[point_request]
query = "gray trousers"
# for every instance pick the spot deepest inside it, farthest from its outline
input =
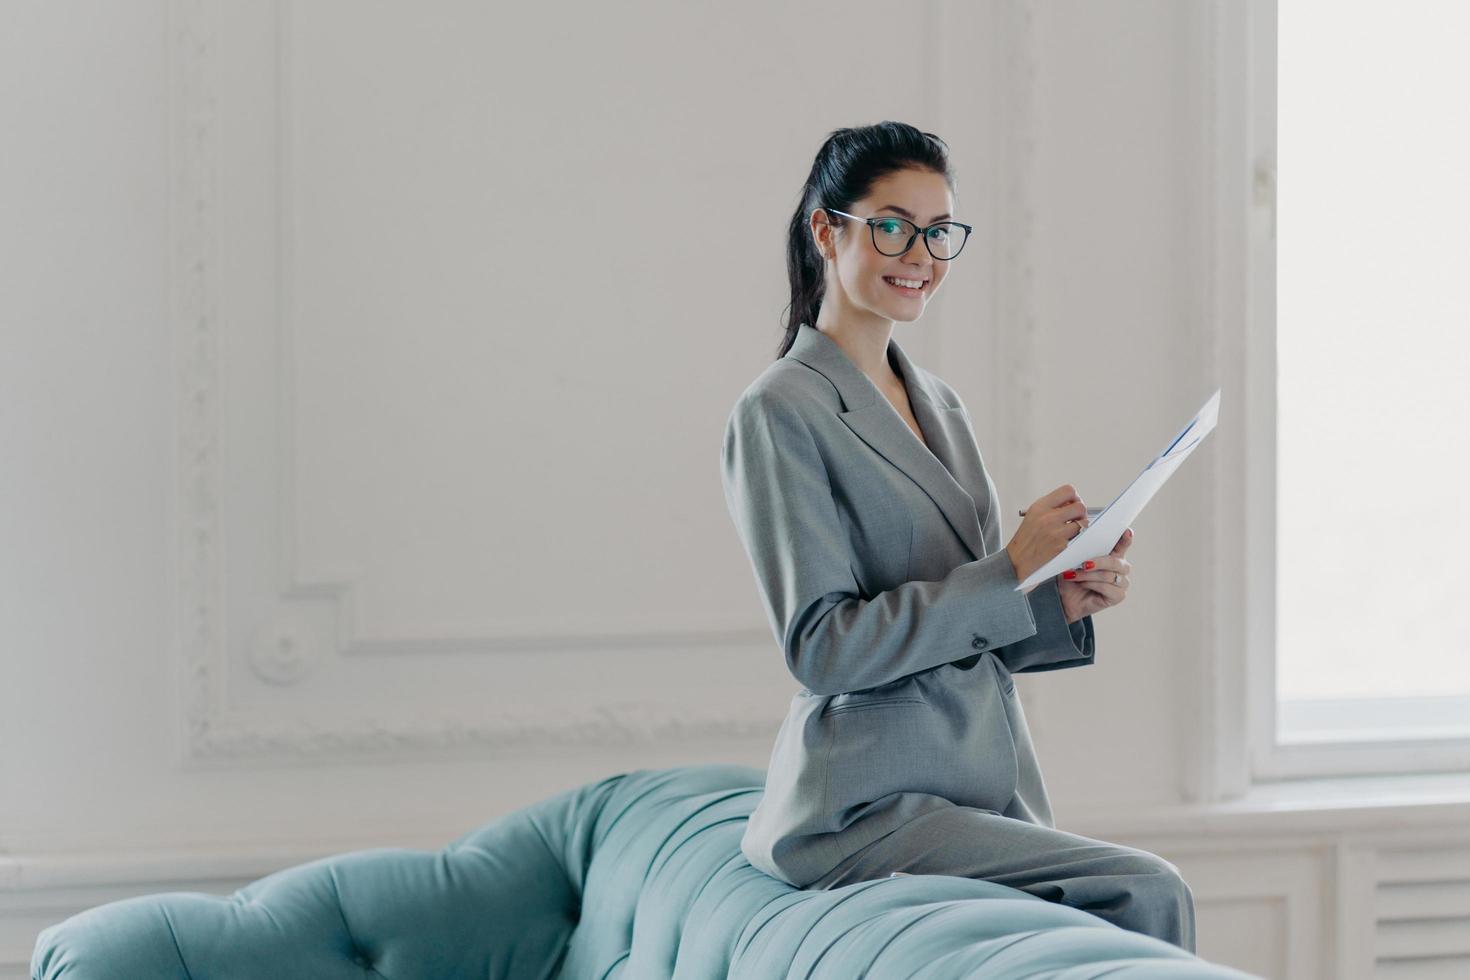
(1128, 887)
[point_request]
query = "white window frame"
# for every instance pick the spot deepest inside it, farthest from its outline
(1238, 745)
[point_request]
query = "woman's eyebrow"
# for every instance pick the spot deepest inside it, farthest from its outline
(909, 214)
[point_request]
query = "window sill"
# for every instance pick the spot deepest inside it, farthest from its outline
(1301, 806)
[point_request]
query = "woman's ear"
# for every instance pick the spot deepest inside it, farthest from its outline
(821, 228)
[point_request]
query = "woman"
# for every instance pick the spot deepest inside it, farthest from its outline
(873, 528)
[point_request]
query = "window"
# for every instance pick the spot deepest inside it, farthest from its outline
(1370, 230)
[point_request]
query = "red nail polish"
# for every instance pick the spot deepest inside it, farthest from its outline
(1069, 574)
(1090, 565)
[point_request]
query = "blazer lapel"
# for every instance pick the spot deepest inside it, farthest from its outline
(873, 418)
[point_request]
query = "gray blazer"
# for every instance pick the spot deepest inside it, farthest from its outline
(883, 576)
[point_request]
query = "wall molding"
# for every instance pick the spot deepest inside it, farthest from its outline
(286, 648)
(1014, 346)
(1215, 759)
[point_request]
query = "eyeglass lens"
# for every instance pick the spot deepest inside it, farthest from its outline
(892, 237)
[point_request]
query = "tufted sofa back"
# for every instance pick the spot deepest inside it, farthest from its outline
(638, 875)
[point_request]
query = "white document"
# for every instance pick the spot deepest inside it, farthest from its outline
(1106, 528)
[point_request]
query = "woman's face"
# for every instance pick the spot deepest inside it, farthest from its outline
(857, 273)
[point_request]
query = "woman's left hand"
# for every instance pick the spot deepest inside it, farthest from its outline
(1092, 589)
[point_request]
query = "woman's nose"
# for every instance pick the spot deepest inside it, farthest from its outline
(921, 256)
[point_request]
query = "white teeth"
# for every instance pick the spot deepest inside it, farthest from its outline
(910, 283)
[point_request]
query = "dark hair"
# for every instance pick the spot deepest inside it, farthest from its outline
(849, 162)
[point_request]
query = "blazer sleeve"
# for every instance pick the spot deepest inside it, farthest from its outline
(1056, 644)
(836, 640)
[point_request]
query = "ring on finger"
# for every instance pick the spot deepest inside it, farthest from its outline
(1116, 578)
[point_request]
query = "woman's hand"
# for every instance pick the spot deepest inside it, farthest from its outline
(1050, 523)
(1091, 590)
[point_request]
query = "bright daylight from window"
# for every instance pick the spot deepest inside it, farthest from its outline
(1373, 326)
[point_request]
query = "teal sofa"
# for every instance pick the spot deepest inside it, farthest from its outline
(637, 876)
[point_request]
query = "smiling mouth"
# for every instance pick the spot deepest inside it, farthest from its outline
(907, 290)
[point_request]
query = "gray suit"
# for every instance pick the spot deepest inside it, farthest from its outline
(883, 576)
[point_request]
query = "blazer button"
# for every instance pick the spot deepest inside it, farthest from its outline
(979, 642)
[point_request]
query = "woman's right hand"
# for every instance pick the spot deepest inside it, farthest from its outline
(1050, 522)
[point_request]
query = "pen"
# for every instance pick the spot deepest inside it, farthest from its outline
(1091, 511)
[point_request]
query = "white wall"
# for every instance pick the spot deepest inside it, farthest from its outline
(333, 519)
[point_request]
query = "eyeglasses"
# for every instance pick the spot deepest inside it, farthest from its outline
(895, 236)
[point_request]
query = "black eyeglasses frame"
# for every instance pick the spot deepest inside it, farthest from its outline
(873, 233)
